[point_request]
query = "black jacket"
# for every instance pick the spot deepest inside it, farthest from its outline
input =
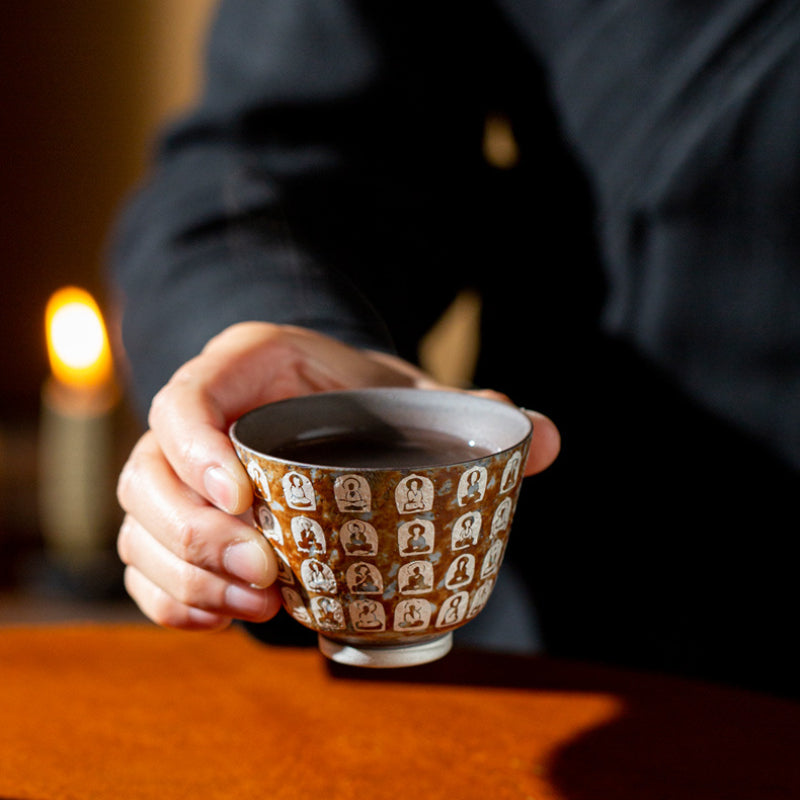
(639, 267)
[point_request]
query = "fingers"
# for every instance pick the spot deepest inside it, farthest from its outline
(184, 555)
(247, 365)
(177, 594)
(190, 415)
(185, 523)
(190, 562)
(191, 431)
(545, 443)
(163, 609)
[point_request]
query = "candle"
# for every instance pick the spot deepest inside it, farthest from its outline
(76, 472)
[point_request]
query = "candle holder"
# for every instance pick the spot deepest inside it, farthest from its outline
(78, 431)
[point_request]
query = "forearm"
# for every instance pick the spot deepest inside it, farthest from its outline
(186, 274)
(211, 239)
(311, 166)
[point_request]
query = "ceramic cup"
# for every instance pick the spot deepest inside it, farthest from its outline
(389, 510)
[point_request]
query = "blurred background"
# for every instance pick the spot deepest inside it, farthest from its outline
(83, 88)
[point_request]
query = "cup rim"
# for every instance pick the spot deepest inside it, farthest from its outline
(376, 393)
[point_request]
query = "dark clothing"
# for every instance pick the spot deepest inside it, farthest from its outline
(639, 269)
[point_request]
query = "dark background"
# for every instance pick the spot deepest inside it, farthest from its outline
(83, 87)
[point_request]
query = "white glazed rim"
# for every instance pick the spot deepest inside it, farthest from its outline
(490, 423)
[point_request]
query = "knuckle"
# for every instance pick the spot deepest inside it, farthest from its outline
(163, 405)
(123, 542)
(192, 540)
(191, 453)
(126, 483)
(191, 587)
(158, 405)
(167, 613)
(162, 616)
(188, 539)
(246, 332)
(129, 480)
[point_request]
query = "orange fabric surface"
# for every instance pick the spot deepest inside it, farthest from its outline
(137, 712)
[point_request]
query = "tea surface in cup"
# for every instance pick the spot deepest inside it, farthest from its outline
(392, 447)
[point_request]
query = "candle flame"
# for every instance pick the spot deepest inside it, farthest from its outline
(77, 341)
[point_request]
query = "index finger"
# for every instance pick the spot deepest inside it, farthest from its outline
(246, 365)
(191, 414)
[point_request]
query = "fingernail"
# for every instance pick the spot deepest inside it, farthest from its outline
(248, 562)
(221, 488)
(245, 601)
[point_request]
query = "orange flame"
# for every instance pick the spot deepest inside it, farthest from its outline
(77, 341)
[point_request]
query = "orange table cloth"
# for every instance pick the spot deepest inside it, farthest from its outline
(138, 712)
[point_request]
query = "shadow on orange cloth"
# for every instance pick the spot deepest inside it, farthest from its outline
(137, 712)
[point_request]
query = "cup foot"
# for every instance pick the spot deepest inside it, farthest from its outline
(403, 655)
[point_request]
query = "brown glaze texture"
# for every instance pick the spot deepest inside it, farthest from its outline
(385, 556)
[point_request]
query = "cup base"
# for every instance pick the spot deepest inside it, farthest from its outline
(380, 656)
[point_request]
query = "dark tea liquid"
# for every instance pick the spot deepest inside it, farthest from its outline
(409, 447)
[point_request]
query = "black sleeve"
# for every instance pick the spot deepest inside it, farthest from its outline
(335, 146)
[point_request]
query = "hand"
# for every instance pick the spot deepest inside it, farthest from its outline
(193, 559)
